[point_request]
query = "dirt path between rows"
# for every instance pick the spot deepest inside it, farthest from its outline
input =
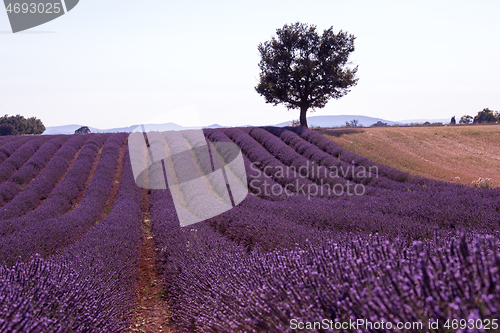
(116, 183)
(151, 314)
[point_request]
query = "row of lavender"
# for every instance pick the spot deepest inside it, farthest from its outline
(12, 182)
(409, 208)
(266, 262)
(10, 144)
(50, 162)
(320, 161)
(52, 226)
(19, 157)
(64, 196)
(214, 285)
(86, 282)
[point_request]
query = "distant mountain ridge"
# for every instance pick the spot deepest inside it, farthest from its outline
(316, 121)
(340, 120)
(70, 129)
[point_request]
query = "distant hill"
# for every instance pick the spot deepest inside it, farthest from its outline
(66, 129)
(215, 126)
(70, 129)
(340, 120)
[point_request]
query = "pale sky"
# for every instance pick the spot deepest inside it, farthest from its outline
(119, 63)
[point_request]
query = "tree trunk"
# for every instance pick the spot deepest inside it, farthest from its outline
(303, 119)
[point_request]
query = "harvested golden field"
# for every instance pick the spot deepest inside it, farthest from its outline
(443, 153)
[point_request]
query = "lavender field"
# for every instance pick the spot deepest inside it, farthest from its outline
(324, 237)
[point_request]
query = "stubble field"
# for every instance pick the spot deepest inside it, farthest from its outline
(442, 153)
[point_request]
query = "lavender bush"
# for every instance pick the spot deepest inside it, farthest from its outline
(10, 146)
(28, 171)
(19, 157)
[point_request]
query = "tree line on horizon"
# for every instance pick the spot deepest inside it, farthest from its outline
(485, 116)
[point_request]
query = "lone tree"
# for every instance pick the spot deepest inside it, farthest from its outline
(82, 130)
(303, 70)
(466, 120)
(379, 123)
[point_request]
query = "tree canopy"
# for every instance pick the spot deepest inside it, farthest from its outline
(485, 116)
(302, 69)
(17, 125)
(82, 130)
(466, 120)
